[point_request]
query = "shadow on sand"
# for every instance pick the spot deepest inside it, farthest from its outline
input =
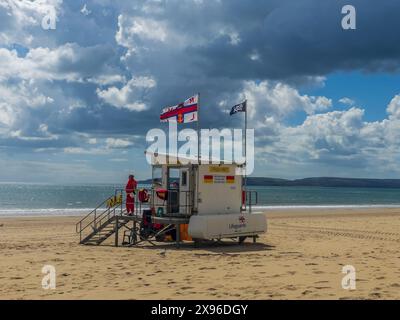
(221, 247)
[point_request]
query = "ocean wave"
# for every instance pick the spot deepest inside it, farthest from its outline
(45, 212)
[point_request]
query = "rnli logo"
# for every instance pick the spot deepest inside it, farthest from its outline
(180, 118)
(242, 220)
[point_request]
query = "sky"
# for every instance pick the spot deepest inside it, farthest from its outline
(77, 101)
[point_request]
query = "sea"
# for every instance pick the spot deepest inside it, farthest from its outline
(57, 200)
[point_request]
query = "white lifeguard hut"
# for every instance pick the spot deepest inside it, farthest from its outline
(207, 200)
(210, 197)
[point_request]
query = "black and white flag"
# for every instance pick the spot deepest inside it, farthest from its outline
(241, 107)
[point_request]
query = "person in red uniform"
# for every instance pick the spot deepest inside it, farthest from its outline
(130, 189)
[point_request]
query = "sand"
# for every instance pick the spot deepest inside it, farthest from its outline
(301, 257)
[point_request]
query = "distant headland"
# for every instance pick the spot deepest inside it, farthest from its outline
(319, 182)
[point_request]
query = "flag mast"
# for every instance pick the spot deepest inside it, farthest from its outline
(198, 128)
(198, 151)
(245, 151)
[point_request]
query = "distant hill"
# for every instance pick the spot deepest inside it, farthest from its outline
(326, 182)
(319, 182)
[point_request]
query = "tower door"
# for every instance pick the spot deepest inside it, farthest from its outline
(185, 198)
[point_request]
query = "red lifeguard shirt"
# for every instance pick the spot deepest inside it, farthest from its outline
(130, 187)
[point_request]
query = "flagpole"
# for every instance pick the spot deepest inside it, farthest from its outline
(198, 128)
(198, 151)
(245, 150)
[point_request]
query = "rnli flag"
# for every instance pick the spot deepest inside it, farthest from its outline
(241, 107)
(184, 112)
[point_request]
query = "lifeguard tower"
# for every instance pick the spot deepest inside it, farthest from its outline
(205, 201)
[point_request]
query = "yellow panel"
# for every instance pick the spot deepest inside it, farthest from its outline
(218, 169)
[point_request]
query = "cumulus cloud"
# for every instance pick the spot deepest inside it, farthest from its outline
(393, 108)
(280, 100)
(16, 99)
(43, 134)
(337, 139)
(33, 86)
(69, 62)
(97, 147)
(92, 140)
(336, 132)
(113, 143)
(132, 29)
(7, 114)
(131, 96)
(85, 151)
(22, 18)
(347, 101)
(110, 66)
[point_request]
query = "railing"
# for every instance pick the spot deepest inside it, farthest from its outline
(184, 208)
(103, 211)
(176, 204)
(250, 196)
(140, 206)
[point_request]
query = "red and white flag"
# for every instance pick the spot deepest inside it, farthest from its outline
(185, 112)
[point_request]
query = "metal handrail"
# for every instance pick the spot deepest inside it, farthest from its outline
(95, 221)
(91, 212)
(100, 218)
(94, 213)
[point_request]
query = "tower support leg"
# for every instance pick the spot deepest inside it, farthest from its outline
(116, 231)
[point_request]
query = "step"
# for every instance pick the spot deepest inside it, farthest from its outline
(102, 235)
(91, 243)
(105, 232)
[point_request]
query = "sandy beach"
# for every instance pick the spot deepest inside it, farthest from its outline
(300, 257)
